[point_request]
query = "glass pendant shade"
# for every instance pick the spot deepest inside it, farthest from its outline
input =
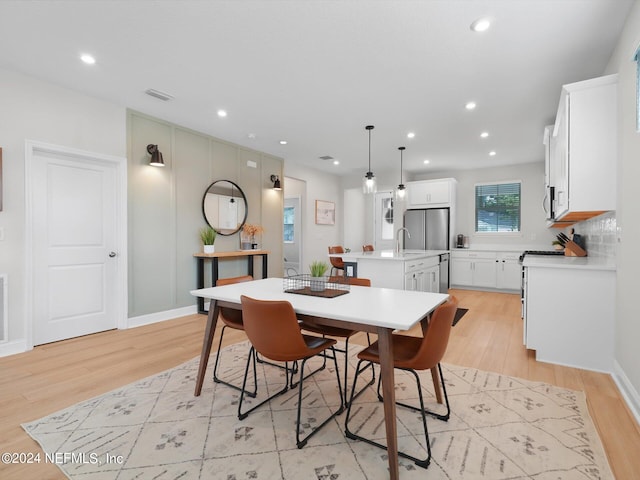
(369, 183)
(369, 179)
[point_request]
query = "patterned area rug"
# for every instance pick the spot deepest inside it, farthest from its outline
(500, 428)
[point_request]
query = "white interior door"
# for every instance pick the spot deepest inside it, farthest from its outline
(74, 232)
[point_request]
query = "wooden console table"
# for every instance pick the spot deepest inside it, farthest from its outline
(214, 257)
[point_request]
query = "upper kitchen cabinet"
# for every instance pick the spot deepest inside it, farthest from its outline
(431, 193)
(582, 152)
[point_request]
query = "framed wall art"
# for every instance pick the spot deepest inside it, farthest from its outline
(325, 213)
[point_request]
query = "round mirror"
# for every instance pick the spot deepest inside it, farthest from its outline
(224, 207)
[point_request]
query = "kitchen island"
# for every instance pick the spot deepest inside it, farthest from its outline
(405, 270)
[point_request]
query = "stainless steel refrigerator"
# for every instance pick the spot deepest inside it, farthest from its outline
(429, 229)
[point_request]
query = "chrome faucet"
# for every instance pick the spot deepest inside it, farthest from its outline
(398, 237)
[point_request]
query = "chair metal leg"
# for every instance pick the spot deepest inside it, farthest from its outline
(423, 412)
(440, 416)
(218, 380)
(301, 443)
(242, 415)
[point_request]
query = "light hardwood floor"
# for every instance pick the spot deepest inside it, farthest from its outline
(489, 337)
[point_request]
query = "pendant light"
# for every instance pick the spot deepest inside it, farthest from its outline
(401, 190)
(369, 180)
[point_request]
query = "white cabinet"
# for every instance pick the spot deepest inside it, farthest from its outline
(569, 316)
(431, 193)
(486, 269)
(509, 271)
(422, 275)
(583, 150)
(473, 269)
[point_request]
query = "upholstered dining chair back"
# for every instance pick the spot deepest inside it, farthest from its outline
(230, 316)
(363, 282)
(367, 248)
(272, 328)
(436, 338)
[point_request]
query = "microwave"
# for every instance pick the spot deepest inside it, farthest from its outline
(548, 202)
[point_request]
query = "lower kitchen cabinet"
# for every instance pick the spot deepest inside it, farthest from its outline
(473, 269)
(486, 270)
(508, 271)
(569, 316)
(422, 275)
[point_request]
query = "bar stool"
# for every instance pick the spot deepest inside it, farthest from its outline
(411, 354)
(336, 262)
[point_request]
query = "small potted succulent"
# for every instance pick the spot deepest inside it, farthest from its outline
(318, 282)
(208, 237)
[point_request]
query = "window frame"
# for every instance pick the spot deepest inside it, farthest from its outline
(515, 233)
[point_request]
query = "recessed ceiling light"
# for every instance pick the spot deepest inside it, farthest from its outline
(470, 105)
(222, 113)
(283, 142)
(426, 162)
(336, 162)
(484, 134)
(88, 59)
(492, 153)
(411, 135)
(481, 25)
(252, 136)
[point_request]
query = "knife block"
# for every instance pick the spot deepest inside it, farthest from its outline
(572, 249)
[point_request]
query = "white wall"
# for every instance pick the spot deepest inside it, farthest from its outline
(628, 212)
(320, 186)
(44, 112)
(534, 234)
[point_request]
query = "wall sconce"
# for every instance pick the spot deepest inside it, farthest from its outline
(276, 182)
(156, 156)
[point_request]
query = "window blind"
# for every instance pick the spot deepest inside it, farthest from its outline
(498, 207)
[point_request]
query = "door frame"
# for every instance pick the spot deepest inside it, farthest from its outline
(33, 148)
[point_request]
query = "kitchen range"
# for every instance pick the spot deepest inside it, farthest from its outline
(524, 278)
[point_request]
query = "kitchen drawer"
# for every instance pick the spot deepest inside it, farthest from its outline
(421, 264)
(474, 255)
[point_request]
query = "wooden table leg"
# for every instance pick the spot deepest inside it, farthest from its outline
(434, 371)
(388, 393)
(212, 319)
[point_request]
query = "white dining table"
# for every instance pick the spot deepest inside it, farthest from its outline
(367, 309)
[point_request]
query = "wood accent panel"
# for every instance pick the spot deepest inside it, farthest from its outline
(489, 337)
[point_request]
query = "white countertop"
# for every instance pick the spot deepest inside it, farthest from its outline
(403, 255)
(561, 261)
(380, 307)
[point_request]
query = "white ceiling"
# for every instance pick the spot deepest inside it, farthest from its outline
(315, 73)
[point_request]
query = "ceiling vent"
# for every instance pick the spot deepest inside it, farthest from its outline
(158, 94)
(326, 157)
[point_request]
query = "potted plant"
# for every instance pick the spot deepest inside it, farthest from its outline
(248, 236)
(208, 237)
(318, 281)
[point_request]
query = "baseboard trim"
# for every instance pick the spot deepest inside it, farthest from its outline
(628, 391)
(11, 348)
(150, 318)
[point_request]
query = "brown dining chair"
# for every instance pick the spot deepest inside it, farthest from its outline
(411, 354)
(336, 262)
(231, 318)
(272, 328)
(345, 333)
(367, 248)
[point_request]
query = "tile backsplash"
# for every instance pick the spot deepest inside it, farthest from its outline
(600, 235)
